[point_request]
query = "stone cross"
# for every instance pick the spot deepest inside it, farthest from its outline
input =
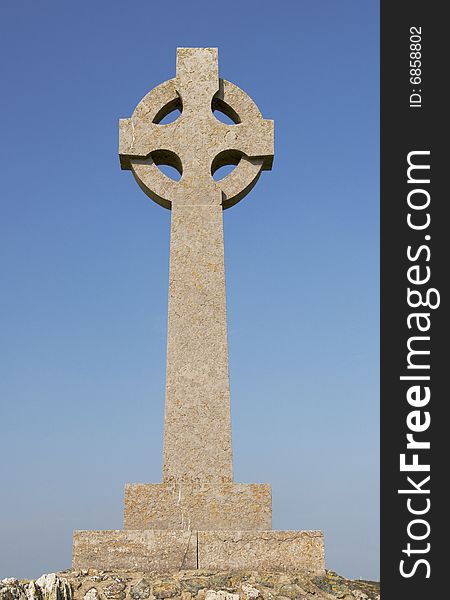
(197, 518)
(197, 434)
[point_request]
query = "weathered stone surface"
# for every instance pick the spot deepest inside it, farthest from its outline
(140, 590)
(167, 550)
(197, 433)
(33, 591)
(291, 590)
(11, 590)
(250, 592)
(167, 588)
(268, 550)
(206, 506)
(220, 595)
(134, 550)
(196, 143)
(194, 584)
(115, 590)
(197, 427)
(197, 518)
(47, 587)
(339, 587)
(243, 583)
(52, 587)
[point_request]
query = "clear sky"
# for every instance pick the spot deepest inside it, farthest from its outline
(84, 269)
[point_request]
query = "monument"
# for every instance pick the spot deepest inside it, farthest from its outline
(197, 518)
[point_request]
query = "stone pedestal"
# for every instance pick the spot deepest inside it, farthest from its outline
(155, 550)
(198, 506)
(262, 551)
(135, 550)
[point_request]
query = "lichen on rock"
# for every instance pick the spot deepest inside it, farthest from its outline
(187, 585)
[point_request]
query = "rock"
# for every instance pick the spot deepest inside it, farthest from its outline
(265, 581)
(32, 591)
(360, 595)
(225, 582)
(166, 589)
(265, 593)
(250, 592)
(141, 590)
(115, 590)
(11, 590)
(220, 595)
(194, 584)
(52, 587)
(292, 591)
(47, 587)
(188, 585)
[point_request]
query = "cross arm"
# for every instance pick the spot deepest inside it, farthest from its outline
(255, 140)
(138, 138)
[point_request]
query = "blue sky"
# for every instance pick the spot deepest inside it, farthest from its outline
(84, 268)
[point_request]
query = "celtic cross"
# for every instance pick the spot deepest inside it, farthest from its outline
(197, 517)
(197, 430)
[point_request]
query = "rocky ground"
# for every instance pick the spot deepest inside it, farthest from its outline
(187, 585)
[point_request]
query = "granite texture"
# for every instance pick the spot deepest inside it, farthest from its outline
(165, 550)
(135, 550)
(197, 426)
(207, 506)
(262, 550)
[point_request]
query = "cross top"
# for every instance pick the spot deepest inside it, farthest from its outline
(196, 143)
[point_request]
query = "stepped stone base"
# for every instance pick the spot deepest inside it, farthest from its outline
(231, 506)
(262, 550)
(134, 550)
(163, 550)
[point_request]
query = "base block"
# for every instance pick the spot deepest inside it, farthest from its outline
(231, 506)
(164, 550)
(262, 550)
(134, 550)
